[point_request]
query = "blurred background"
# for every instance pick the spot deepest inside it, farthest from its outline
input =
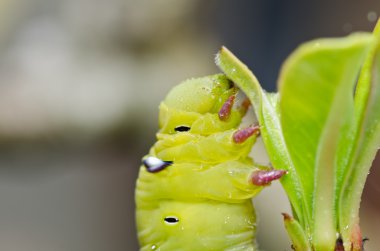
(80, 82)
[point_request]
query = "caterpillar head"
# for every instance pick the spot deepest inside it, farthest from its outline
(197, 105)
(200, 95)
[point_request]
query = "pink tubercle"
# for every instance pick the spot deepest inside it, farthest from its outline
(243, 134)
(225, 111)
(244, 106)
(264, 177)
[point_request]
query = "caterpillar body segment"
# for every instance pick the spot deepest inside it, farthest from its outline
(195, 186)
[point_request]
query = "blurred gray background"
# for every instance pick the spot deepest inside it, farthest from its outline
(80, 82)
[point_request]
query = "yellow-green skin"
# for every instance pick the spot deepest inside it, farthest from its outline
(207, 187)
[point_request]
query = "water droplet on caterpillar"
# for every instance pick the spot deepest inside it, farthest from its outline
(227, 219)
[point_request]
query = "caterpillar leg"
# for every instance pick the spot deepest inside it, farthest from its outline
(225, 111)
(243, 134)
(265, 177)
(244, 106)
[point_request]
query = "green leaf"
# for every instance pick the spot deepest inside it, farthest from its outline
(316, 85)
(296, 234)
(265, 106)
(364, 141)
(318, 132)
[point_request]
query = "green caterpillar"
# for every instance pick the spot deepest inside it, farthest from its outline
(195, 186)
